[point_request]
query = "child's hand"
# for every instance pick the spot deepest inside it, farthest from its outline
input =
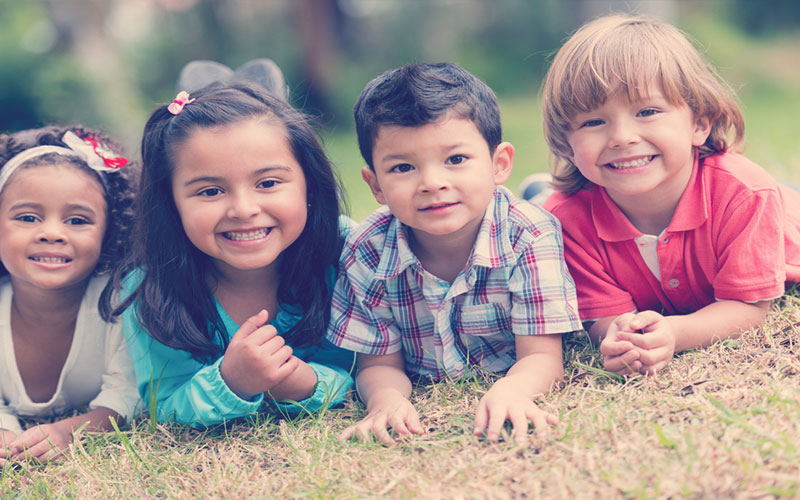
(387, 408)
(656, 343)
(43, 443)
(620, 355)
(256, 359)
(505, 401)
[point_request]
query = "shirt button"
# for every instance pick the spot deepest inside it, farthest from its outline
(673, 283)
(666, 239)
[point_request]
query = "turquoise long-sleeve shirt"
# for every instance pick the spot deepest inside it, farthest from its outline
(191, 392)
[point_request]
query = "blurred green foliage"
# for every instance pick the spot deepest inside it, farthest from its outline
(107, 64)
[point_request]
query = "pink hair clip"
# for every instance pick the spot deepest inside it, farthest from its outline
(181, 100)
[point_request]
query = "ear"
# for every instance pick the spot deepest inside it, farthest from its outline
(702, 128)
(372, 181)
(502, 162)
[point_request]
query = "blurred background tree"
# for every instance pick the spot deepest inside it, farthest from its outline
(108, 62)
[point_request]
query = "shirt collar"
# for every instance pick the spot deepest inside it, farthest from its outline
(396, 255)
(613, 225)
(490, 250)
(492, 247)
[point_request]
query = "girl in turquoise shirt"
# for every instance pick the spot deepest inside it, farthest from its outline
(238, 240)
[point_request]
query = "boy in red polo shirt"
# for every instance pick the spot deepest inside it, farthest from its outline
(674, 241)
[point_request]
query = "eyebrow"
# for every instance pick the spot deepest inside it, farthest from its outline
(38, 206)
(257, 173)
(402, 156)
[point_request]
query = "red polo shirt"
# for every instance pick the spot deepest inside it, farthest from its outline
(735, 235)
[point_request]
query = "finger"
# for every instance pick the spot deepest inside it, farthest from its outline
(26, 440)
(644, 319)
(375, 428)
(250, 325)
(647, 341)
(519, 425)
(263, 335)
(398, 424)
(496, 421)
(540, 420)
(287, 367)
(273, 345)
(481, 419)
(621, 362)
(414, 425)
(37, 451)
(347, 434)
(621, 321)
(615, 348)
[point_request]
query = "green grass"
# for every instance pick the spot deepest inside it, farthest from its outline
(719, 422)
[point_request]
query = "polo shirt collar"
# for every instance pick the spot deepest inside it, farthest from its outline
(612, 225)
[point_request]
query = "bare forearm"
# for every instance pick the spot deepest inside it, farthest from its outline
(298, 385)
(373, 380)
(98, 419)
(717, 321)
(536, 373)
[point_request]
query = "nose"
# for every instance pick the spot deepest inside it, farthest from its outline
(433, 178)
(51, 231)
(242, 206)
(623, 133)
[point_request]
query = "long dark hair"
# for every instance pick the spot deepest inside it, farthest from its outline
(174, 303)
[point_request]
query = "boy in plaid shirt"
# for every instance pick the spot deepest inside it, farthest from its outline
(454, 271)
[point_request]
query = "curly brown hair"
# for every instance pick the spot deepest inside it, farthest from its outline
(119, 186)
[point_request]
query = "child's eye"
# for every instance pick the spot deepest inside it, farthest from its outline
(591, 123)
(210, 192)
(648, 112)
(26, 218)
(401, 168)
(269, 183)
(456, 159)
(77, 221)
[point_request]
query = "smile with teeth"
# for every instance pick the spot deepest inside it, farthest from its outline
(51, 260)
(632, 163)
(247, 235)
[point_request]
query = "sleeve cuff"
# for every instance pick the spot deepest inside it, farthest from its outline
(331, 389)
(10, 422)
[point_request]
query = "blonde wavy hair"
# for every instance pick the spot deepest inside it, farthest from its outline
(628, 54)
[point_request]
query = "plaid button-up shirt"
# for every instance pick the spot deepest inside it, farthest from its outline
(515, 283)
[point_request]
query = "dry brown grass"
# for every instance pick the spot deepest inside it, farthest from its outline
(720, 422)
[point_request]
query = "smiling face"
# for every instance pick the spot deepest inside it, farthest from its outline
(636, 149)
(240, 193)
(52, 223)
(437, 178)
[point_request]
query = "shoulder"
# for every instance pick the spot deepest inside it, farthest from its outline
(94, 289)
(735, 171)
(130, 283)
(366, 241)
(563, 205)
(520, 219)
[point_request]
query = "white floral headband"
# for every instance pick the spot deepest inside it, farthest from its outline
(88, 149)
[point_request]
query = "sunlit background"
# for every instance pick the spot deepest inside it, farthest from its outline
(106, 63)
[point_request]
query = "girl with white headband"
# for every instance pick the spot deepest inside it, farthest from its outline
(65, 212)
